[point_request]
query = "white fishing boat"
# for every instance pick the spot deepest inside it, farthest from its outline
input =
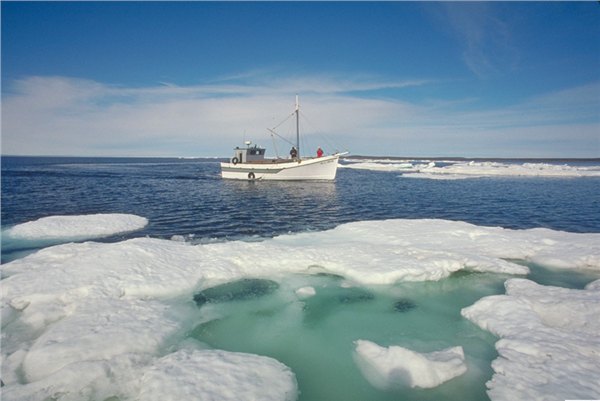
(249, 163)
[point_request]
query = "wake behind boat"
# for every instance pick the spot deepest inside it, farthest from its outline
(249, 163)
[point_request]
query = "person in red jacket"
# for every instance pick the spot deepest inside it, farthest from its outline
(319, 152)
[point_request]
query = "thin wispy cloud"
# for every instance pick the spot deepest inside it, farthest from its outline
(56, 114)
(488, 48)
(60, 115)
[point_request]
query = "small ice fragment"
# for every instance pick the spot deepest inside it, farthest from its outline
(396, 367)
(305, 292)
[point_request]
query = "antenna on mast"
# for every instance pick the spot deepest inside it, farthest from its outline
(297, 126)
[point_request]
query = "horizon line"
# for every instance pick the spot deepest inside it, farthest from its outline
(453, 158)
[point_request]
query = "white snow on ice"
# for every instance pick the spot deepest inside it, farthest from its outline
(93, 319)
(550, 342)
(472, 169)
(77, 227)
(396, 367)
(594, 285)
(210, 375)
(380, 165)
(306, 292)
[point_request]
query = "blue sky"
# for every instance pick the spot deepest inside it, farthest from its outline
(491, 79)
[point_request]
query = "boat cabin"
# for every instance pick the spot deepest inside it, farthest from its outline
(248, 154)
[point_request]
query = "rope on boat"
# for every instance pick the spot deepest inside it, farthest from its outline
(282, 138)
(327, 141)
(334, 147)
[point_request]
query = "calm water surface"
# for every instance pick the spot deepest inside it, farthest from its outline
(187, 197)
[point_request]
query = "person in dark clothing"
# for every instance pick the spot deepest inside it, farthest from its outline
(293, 153)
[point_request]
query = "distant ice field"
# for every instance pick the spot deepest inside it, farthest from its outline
(374, 287)
(453, 170)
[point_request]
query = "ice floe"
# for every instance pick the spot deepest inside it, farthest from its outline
(549, 347)
(77, 227)
(448, 170)
(107, 309)
(396, 367)
(380, 165)
(594, 285)
(306, 292)
(207, 375)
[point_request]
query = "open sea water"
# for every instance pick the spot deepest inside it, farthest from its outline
(186, 199)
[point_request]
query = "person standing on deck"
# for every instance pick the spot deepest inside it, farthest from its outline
(319, 152)
(293, 152)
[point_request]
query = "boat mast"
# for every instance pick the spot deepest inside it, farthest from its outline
(298, 126)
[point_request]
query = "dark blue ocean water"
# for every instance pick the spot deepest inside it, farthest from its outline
(187, 197)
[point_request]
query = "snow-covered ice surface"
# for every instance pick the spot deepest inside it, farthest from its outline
(77, 227)
(380, 165)
(305, 292)
(394, 366)
(550, 341)
(95, 320)
(207, 375)
(448, 170)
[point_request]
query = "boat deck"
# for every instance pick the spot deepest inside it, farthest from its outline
(274, 161)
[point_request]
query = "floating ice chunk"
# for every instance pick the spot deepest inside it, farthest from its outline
(79, 227)
(395, 367)
(487, 169)
(178, 238)
(549, 347)
(306, 292)
(594, 285)
(474, 169)
(217, 375)
(381, 165)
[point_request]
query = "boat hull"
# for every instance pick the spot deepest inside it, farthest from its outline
(322, 168)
